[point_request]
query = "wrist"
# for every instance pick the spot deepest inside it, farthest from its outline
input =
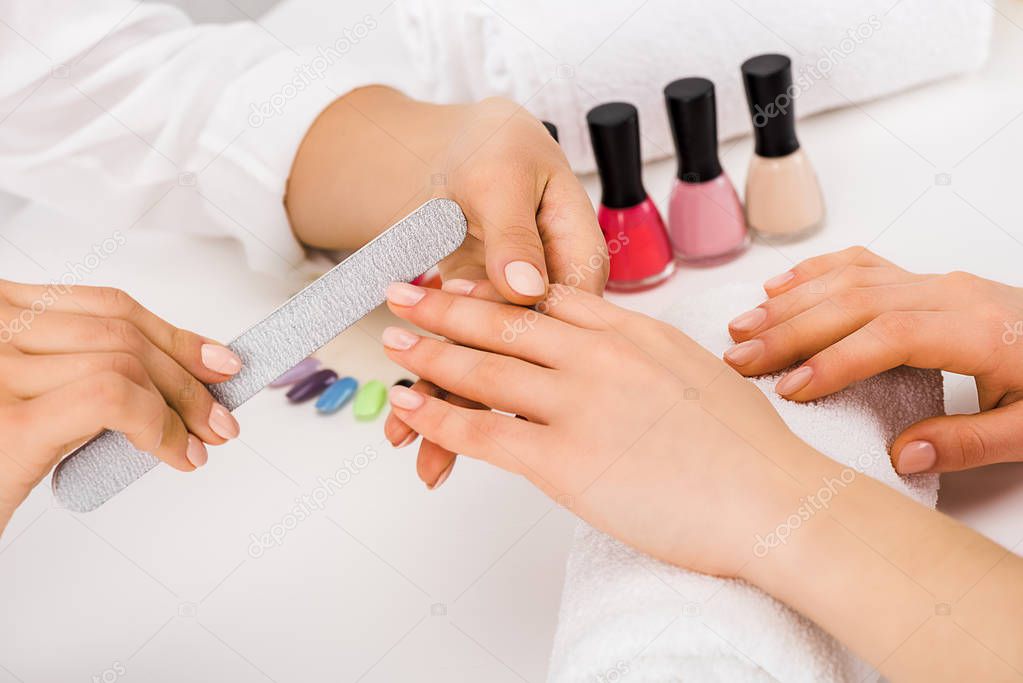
(371, 157)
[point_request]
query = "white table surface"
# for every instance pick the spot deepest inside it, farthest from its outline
(391, 582)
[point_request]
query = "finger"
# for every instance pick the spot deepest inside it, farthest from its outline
(477, 289)
(506, 329)
(514, 253)
(922, 339)
(959, 442)
(819, 265)
(498, 439)
(563, 302)
(796, 300)
(813, 330)
(107, 400)
(574, 246)
(27, 376)
(507, 384)
(434, 464)
(204, 358)
(62, 333)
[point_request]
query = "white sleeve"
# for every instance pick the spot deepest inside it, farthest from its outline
(109, 106)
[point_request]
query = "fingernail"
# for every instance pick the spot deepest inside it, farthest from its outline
(750, 320)
(407, 440)
(779, 280)
(457, 286)
(220, 359)
(916, 456)
(398, 338)
(524, 278)
(744, 353)
(196, 452)
(223, 423)
(442, 478)
(794, 381)
(402, 397)
(402, 294)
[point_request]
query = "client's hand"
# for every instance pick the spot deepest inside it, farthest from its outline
(854, 314)
(76, 360)
(628, 422)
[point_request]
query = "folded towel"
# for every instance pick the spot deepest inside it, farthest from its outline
(559, 59)
(625, 616)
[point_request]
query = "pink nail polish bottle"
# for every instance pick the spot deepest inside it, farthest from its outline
(637, 242)
(706, 222)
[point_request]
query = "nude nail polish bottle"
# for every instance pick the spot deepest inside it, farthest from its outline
(783, 197)
(706, 222)
(637, 242)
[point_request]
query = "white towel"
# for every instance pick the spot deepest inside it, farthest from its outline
(627, 617)
(559, 59)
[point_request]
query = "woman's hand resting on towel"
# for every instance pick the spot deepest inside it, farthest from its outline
(853, 314)
(77, 360)
(654, 440)
(628, 422)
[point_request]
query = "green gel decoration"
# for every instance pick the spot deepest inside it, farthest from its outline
(370, 400)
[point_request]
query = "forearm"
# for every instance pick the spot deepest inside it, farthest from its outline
(371, 157)
(915, 593)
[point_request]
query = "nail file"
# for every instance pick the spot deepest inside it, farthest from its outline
(105, 465)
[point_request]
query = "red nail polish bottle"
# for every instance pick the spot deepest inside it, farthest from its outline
(641, 254)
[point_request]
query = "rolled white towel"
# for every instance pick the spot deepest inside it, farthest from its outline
(625, 616)
(559, 59)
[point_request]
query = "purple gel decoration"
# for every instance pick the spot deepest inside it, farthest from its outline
(298, 373)
(312, 386)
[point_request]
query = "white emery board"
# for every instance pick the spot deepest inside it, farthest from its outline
(108, 463)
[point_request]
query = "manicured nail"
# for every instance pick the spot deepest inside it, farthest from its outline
(794, 381)
(312, 386)
(196, 452)
(779, 280)
(398, 338)
(442, 478)
(407, 440)
(750, 320)
(402, 397)
(223, 423)
(337, 395)
(298, 373)
(369, 401)
(402, 294)
(220, 359)
(457, 286)
(916, 456)
(524, 278)
(745, 353)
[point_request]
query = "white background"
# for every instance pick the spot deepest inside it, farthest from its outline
(391, 582)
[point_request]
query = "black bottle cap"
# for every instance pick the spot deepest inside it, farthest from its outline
(694, 128)
(552, 129)
(768, 79)
(614, 132)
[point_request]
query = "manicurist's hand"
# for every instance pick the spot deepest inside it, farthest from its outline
(77, 360)
(649, 437)
(853, 314)
(374, 155)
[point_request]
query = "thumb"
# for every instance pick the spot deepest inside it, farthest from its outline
(513, 252)
(960, 442)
